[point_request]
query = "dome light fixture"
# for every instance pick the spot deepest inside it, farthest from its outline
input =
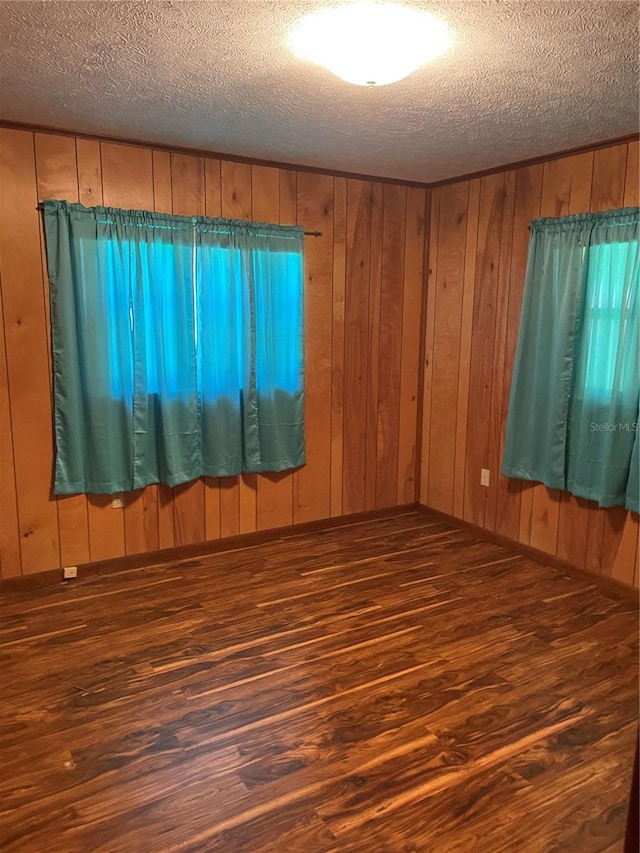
(370, 43)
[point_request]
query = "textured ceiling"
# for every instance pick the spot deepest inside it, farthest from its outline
(522, 79)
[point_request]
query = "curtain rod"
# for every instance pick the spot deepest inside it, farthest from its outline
(40, 206)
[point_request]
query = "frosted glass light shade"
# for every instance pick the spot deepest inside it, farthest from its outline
(370, 43)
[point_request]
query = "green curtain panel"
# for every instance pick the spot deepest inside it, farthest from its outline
(573, 411)
(178, 347)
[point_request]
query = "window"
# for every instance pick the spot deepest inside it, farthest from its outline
(573, 410)
(177, 344)
(603, 366)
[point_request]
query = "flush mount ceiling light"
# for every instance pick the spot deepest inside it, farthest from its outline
(370, 43)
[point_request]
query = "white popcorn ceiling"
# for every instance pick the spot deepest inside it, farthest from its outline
(521, 80)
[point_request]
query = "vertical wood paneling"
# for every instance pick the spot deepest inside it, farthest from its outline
(127, 176)
(620, 549)
(106, 525)
(609, 173)
(619, 544)
(141, 532)
(338, 341)
(466, 328)
(9, 535)
(274, 496)
(390, 344)
(365, 258)
(545, 506)
(353, 276)
(58, 163)
(127, 182)
(212, 188)
(528, 192)
(414, 251)
(288, 197)
(492, 281)
(248, 502)
(162, 182)
(581, 166)
(311, 487)
(356, 366)
(632, 178)
(25, 328)
(89, 172)
(56, 167)
(429, 320)
(526, 492)
(373, 346)
(497, 417)
(448, 297)
(492, 194)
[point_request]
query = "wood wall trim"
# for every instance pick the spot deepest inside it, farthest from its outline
(205, 152)
(180, 553)
(607, 584)
(533, 161)
(297, 167)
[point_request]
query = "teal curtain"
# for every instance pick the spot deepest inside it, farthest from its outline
(573, 411)
(177, 347)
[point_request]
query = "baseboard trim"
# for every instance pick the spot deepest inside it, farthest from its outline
(180, 553)
(28, 583)
(607, 584)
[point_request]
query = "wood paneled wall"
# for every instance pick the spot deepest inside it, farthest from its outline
(363, 305)
(363, 308)
(477, 255)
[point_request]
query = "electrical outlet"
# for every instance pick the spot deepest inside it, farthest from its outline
(116, 503)
(484, 476)
(70, 572)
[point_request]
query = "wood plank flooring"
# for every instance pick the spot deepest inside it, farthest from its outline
(393, 686)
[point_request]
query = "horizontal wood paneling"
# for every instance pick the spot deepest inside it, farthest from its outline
(38, 533)
(478, 247)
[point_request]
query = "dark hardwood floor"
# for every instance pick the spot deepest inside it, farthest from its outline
(389, 686)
